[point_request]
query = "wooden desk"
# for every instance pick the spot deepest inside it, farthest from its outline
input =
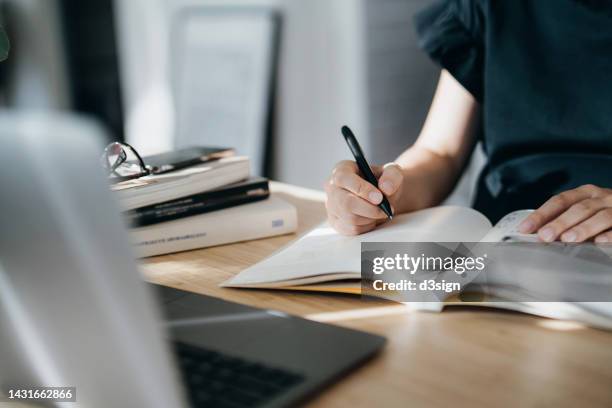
(461, 357)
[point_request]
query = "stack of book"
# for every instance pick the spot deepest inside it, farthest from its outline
(207, 203)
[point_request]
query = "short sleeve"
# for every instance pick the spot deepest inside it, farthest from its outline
(452, 33)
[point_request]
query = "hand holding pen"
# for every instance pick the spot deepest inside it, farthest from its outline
(354, 203)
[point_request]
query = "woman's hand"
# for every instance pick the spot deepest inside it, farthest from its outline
(577, 215)
(352, 202)
(421, 177)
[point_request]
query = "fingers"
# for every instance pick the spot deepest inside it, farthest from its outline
(592, 227)
(604, 238)
(555, 207)
(391, 179)
(348, 206)
(352, 202)
(573, 216)
(346, 176)
(576, 214)
(350, 229)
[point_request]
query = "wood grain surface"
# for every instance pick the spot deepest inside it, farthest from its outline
(461, 357)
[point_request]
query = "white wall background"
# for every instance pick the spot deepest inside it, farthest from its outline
(144, 42)
(39, 76)
(350, 62)
(342, 62)
(143, 34)
(320, 88)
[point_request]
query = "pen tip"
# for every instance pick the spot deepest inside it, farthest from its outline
(346, 130)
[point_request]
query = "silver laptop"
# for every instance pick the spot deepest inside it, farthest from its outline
(75, 312)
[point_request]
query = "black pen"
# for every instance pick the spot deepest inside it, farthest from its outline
(364, 167)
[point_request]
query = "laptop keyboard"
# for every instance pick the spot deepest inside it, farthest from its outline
(217, 380)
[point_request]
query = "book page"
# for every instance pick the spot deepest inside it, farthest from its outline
(325, 252)
(507, 229)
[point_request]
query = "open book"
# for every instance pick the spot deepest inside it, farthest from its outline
(326, 261)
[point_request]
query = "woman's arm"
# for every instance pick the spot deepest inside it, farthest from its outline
(436, 161)
(421, 177)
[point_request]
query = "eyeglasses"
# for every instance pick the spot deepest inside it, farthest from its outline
(122, 162)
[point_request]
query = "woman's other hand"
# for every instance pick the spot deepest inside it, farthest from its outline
(352, 202)
(578, 215)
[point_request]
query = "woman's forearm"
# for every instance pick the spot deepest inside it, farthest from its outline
(435, 162)
(428, 178)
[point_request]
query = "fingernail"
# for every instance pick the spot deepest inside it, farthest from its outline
(526, 226)
(375, 197)
(387, 187)
(601, 240)
(547, 234)
(569, 237)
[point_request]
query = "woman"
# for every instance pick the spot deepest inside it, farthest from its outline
(532, 80)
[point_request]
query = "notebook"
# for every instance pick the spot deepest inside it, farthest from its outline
(324, 256)
(326, 261)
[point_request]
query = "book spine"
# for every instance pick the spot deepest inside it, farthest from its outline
(223, 227)
(198, 204)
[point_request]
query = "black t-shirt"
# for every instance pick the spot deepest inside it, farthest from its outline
(542, 71)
